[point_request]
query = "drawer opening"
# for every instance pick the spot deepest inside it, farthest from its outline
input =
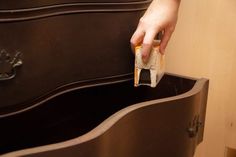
(77, 112)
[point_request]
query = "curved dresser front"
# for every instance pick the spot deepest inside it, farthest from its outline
(112, 119)
(66, 85)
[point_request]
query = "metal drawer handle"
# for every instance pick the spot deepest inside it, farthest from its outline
(8, 64)
(194, 127)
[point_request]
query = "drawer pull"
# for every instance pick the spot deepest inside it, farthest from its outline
(8, 64)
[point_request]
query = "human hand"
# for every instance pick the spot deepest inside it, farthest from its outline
(160, 16)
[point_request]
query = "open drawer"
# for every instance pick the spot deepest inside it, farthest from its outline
(111, 118)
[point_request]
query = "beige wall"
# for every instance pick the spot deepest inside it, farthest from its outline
(204, 45)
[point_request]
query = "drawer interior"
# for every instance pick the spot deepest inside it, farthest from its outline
(77, 112)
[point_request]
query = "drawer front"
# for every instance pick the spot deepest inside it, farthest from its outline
(62, 46)
(7, 5)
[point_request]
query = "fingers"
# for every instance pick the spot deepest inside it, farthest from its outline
(147, 44)
(145, 39)
(165, 39)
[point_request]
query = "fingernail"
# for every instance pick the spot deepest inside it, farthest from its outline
(145, 57)
(145, 52)
(145, 60)
(162, 49)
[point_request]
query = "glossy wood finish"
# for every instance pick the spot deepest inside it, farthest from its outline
(61, 48)
(73, 95)
(112, 119)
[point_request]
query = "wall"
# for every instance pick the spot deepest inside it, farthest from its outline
(204, 45)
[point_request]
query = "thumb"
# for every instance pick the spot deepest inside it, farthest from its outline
(137, 38)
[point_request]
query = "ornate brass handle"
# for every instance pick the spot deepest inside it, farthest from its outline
(8, 64)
